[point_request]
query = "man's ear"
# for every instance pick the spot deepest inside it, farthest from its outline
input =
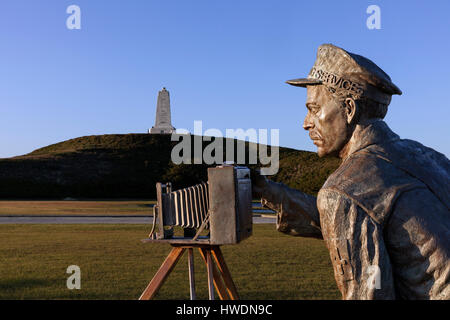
(351, 110)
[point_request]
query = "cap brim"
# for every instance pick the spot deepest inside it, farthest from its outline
(303, 82)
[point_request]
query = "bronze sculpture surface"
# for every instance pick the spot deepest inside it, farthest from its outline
(385, 212)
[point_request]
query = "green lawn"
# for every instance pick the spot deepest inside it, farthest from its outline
(116, 265)
(78, 208)
(42, 207)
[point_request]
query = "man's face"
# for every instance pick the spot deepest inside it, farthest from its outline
(326, 121)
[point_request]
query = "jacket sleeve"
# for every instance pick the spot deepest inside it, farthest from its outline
(361, 263)
(297, 212)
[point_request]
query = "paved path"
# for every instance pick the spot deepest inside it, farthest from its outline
(96, 219)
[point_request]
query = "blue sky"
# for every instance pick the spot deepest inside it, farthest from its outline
(224, 62)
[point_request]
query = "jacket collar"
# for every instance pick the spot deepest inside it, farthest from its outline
(377, 132)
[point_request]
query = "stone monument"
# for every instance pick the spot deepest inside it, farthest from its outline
(163, 124)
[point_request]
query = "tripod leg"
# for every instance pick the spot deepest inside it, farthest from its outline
(163, 272)
(210, 265)
(231, 288)
(191, 273)
(218, 283)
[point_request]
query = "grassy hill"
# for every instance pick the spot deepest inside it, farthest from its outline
(128, 166)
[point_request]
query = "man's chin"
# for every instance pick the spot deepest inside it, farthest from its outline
(321, 152)
(320, 149)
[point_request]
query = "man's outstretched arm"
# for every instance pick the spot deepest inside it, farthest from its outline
(297, 211)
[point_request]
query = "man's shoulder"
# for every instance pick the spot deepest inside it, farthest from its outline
(366, 171)
(369, 181)
(421, 163)
(375, 176)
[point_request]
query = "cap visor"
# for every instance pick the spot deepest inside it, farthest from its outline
(303, 82)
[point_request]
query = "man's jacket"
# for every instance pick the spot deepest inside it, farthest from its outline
(384, 215)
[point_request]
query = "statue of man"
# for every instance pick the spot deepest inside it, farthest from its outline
(385, 212)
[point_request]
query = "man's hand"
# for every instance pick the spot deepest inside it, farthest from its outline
(259, 183)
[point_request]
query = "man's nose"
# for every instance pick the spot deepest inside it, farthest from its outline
(307, 123)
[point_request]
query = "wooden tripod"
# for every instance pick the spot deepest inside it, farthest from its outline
(219, 276)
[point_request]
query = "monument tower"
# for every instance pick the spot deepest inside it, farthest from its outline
(163, 123)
